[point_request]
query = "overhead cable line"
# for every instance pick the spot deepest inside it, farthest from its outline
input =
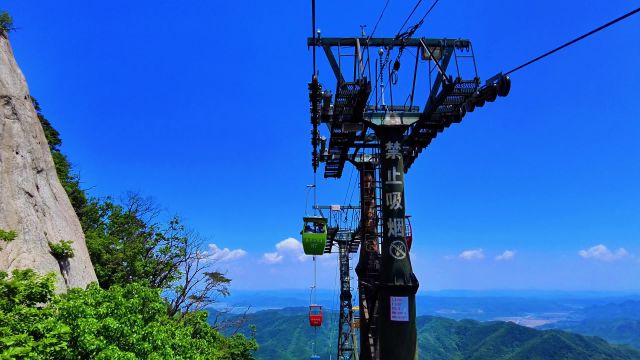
(428, 12)
(313, 33)
(375, 27)
(407, 35)
(409, 17)
(574, 41)
(314, 82)
(348, 186)
(399, 35)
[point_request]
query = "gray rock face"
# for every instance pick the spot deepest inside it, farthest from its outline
(32, 200)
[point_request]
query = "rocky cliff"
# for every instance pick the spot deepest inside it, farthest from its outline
(33, 203)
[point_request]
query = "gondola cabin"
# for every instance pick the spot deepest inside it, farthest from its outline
(314, 235)
(315, 315)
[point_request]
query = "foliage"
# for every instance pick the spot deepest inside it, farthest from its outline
(199, 284)
(468, 339)
(132, 321)
(126, 322)
(70, 181)
(7, 235)
(128, 243)
(29, 331)
(62, 250)
(6, 22)
(285, 334)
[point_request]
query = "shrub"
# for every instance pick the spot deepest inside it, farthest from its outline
(7, 235)
(61, 250)
(128, 322)
(6, 22)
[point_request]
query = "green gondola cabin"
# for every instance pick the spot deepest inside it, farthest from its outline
(314, 235)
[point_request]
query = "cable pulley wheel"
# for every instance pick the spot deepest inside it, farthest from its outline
(505, 86)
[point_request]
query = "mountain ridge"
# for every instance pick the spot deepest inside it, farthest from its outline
(286, 334)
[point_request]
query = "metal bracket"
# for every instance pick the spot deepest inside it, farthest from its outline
(334, 64)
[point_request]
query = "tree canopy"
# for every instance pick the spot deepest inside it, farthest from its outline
(154, 281)
(128, 241)
(6, 22)
(122, 322)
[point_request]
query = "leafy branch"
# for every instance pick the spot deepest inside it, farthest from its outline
(62, 250)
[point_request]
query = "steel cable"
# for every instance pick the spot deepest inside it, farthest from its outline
(574, 41)
(375, 27)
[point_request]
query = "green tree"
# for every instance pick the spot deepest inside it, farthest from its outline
(27, 330)
(62, 250)
(6, 22)
(129, 243)
(123, 322)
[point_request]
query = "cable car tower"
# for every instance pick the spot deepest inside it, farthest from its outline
(382, 139)
(343, 240)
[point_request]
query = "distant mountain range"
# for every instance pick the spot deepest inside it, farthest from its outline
(616, 322)
(446, 339)
(285, 334)
(477, 305)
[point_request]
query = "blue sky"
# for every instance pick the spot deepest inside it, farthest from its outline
(203, 106)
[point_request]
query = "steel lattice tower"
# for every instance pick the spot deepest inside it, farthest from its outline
(383, 141)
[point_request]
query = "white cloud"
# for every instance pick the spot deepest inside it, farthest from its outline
(602, 253)
(475, 254)
(272, 258)
(223, 255)
(507, 255)
(289, 248)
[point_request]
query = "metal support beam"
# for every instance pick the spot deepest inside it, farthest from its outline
(345, 330)
(368, 264)
(385, 42)
(330, 207)
(398, 285)
(359, 59)
(334, 64)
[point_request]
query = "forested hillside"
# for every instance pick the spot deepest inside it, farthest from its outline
(445, 339)
(285, 334)
(616, 322)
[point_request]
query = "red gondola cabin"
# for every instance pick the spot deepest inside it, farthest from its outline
(315, 315)
(408, 232)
